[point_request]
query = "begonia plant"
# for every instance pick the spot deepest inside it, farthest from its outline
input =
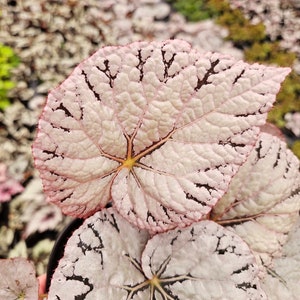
(201, 199)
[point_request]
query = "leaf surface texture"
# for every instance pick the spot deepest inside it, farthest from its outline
(157, 128)
(108, 258)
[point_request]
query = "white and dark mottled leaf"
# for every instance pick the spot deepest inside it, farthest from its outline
(108, 258)
(202, 261)
(282, 280)
(102, 255)
(156, 127)
(18, 279)
(263, 200)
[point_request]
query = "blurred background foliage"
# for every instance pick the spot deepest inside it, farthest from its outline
(8, 61)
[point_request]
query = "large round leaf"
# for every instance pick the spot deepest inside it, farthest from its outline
(107, 258)
(157, 127)
(263, 200)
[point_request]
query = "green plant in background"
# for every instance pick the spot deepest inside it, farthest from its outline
(240, 31)
(198, 10)
(253, 40)
(8, 61)
(193, 10)
(257, 48)
(296, 148)
(288, 98)
(271, 52)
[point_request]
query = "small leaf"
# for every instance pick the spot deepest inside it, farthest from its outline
(157, 127)
(263, 200)
(17, 279)
(107, 258)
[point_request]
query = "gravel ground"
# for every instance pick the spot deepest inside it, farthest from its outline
(51, 38)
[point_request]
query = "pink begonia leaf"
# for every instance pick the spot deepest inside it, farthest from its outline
(273, 130)
(263, 200)
(157, 128)
(108, 258)
(43, 219)
(8, 188)
(18, 279)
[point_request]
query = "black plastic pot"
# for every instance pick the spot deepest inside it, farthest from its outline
(59, 247)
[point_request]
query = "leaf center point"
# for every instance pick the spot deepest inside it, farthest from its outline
(155, 281)
(129, 163)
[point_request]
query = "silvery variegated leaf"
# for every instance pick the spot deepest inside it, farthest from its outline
(18, 279)
(108, 258)
(263, 200)
(158, 128)
(282, 280)
(101, 255)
